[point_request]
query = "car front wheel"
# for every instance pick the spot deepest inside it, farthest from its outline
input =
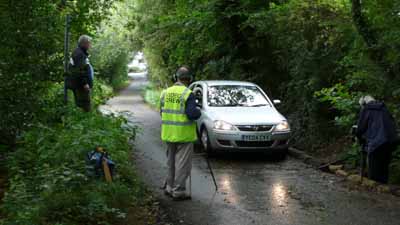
(205, 141)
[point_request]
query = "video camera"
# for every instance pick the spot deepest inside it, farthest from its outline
(354, 130)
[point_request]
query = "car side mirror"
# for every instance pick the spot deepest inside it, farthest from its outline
(277, 102)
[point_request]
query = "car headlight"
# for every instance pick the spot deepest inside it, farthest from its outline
(283, 126)
(222, 125)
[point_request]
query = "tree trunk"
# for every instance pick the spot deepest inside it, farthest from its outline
(362, 26)
(370, 37)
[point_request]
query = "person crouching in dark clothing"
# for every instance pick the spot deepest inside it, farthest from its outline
(81, 73)
(376, 129)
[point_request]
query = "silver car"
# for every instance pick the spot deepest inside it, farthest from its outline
(239, 116)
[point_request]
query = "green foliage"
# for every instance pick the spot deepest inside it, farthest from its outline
(291, 48)
(113, 47)
(32, 54)
(340, 98)
(48, 182)
(308, 40)
(395, 167)
(312, 54)
(353, 155)
(101, 92)
(152, 95)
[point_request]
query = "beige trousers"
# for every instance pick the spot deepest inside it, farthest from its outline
(179, 162)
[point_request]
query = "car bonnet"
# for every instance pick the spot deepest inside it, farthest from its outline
(246, 115)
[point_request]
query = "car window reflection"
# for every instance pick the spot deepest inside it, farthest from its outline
(236, 95)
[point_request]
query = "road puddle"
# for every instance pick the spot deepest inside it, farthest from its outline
(226, 188)
(279, 195)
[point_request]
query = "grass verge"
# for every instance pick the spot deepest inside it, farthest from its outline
(151, 95)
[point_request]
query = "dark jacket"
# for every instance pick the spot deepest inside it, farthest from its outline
(376, 126)
(79, 68)
(192, 112)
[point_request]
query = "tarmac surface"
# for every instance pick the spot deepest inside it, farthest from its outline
(253, 188)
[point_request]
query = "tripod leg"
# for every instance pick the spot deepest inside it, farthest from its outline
(212, 174)
(363, 162)
(190, 184)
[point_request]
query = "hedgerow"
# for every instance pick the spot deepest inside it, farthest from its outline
(45, 142)
(48, 179)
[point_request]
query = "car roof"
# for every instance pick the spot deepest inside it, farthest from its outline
(225, 82)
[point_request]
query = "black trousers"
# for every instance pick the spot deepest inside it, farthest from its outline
(378, 163)
(82, 99)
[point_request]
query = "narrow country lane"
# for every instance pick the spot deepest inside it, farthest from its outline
(253, 189)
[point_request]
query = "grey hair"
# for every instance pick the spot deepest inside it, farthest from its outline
(365, 100)
(183, 69)
(84, 39)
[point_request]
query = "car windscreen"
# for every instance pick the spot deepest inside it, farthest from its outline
(236, 95)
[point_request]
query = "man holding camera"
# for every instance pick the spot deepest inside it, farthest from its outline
(376, 130)
(178, 130)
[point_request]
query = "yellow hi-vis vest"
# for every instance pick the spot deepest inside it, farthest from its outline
(176, 127)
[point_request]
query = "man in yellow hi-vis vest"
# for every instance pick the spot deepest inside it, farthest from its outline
(178, 130)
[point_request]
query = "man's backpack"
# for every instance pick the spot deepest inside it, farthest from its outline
(99, 164)
(71, 80)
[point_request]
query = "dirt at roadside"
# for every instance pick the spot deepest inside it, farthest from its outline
(151, 214)
(332, 151)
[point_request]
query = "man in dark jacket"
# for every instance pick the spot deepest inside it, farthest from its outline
(376, 129)
(81, 79)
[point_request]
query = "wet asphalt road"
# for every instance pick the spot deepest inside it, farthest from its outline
(254, 189)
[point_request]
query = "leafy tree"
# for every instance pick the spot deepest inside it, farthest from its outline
(114, 44)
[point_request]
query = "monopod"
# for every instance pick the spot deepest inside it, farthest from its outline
(212, 173)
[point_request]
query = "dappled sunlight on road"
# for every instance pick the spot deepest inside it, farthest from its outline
(279, 202)
(279, 195)
(226, 188)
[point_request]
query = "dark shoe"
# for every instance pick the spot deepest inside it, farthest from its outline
(180, 196)
(168, 191)
(169, 194)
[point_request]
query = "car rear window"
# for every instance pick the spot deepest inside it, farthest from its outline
(236, 96)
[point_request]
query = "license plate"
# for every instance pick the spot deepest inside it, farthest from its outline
(264, 137)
